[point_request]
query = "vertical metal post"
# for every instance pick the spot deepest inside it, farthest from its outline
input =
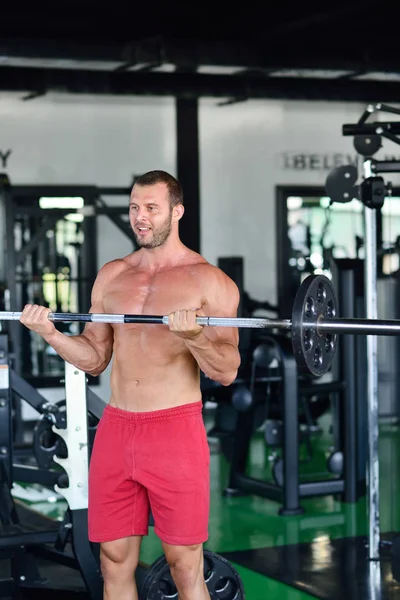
(291, 487)
(10, 269)
(370, 269)
(348, 395)
(375, 580)
(3, 230)
(6, 438)
(188, 171)
(240, 450)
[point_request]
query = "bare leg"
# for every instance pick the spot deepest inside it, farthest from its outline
(119, 560)
(186, 564)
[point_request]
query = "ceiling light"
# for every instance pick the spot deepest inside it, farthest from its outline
(61, 202)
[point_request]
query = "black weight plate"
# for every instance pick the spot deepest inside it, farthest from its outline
(222, 580)
(339, 184)
(335, 463)
(277, 471)
(313, 351)
(273, 433)
(242, 399)
(47, 444)
(367, 145)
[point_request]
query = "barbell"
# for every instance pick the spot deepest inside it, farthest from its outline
(314, 325)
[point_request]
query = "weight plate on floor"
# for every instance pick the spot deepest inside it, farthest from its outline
(222, 580)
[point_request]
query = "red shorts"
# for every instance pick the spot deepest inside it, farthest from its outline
(155, 460)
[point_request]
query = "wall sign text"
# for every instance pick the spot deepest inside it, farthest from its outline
(4, 155)
(302, 161)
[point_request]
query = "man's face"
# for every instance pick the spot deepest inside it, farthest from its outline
(150, 215)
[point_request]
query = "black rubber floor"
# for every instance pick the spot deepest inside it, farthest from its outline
(56, 580)
(330, 569)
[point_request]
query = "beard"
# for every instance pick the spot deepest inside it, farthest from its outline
(158, 236)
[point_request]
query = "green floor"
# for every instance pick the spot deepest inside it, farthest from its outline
(249, 522)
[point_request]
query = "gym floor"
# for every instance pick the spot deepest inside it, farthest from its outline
(321, 553)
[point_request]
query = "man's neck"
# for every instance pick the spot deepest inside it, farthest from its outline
(163, 257)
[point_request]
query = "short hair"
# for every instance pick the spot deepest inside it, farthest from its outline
(175, 191)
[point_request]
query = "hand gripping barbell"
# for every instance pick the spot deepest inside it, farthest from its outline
(314, 325)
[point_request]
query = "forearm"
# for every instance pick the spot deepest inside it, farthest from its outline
(78, 351)
(218, 360)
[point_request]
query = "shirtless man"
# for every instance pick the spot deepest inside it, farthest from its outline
(151, 448)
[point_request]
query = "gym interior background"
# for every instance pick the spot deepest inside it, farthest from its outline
(250, 120)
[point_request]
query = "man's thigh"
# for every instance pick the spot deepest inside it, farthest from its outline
(178, 483)
(118, 505)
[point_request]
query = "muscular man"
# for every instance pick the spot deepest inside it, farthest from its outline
(150, 449)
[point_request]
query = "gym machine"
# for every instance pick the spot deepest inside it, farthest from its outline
(48, 257)
(341, 186)
(287, 489)
(225, 413)
(18, 544)
(67, 543)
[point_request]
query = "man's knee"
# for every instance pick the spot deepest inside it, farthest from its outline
(186, 566)
(119, 559)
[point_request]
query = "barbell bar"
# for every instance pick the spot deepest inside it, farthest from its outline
(314, 325)
(329, 325)
(154, 319)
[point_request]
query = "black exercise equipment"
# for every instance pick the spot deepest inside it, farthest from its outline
(67, 543)
(33, 258)
(46, 443)
(314, 350)
(340, 184)
(277, 471)
(222, 580)
(242, 398)
(273, 433)
(335, 462)
(63, 543)
(286, 488)
(367, 145)
(372, 192)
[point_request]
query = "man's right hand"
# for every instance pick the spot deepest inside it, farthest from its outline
(36, 318)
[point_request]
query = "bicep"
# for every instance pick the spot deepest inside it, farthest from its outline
(224, 302)
(99, 334)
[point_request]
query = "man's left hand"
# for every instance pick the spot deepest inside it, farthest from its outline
(183, 323)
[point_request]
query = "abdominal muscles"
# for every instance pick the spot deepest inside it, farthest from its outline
(152, 369)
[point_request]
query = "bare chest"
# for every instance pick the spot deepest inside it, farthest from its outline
(159, 295)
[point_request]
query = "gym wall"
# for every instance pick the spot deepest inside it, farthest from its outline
(247, 150)
(106, 141)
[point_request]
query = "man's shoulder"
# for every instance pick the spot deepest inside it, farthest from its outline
(112, 269)
(220, 292)
(120, 264)
(215, 275)
(203, 268)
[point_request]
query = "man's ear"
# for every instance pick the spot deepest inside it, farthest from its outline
(177, 212)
